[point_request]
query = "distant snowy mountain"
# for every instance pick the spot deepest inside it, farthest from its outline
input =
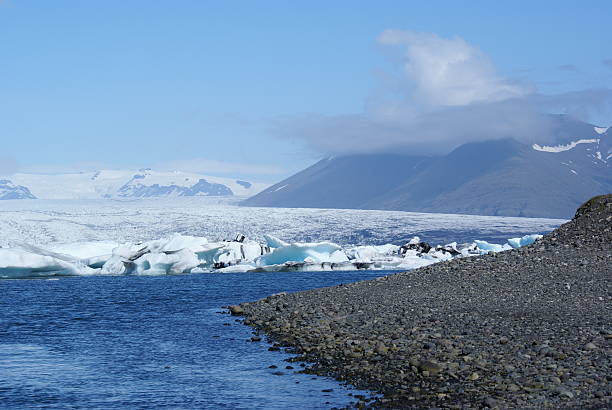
(498, 177)
(145, 185)
(132, 184)
(8, 190)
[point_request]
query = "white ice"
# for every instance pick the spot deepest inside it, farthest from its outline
(187, 235)
(20, 263)
(524, 241)
(304, 252)
(179, 254)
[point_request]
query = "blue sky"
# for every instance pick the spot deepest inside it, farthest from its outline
(202, 85)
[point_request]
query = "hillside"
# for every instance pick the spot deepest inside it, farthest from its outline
(498, 177)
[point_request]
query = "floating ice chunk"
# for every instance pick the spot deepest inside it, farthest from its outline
(410, 262)
(274, 242)
(166, 263)
(84, 250)
(491, 247)
(221, 254)
(96, 262)
(241, 268)
(470, 250)
(416, 245)
(298, 252)
(524, 241)
(183, 254)
(115, 265)
(177, 242)
(367, 253)
(439, 254)
(601, 130)
(17, 263)
(176, 262)
(172, 243)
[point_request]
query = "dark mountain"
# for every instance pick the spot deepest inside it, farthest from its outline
(499, 177)
(343, 182)
(8, 190)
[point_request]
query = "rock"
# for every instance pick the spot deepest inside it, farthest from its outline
(513, 387)
(565, 393)
(490, 402)
(236, 310)
(590, 346)
(382, 349)
(474, 376)
(429, 366)
(503, 341)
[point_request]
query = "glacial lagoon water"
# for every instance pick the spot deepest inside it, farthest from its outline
(159, 341)
(151, 342)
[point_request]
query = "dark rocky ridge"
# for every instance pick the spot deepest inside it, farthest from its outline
(527, 328)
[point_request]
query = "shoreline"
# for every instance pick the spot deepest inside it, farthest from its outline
(526, 328)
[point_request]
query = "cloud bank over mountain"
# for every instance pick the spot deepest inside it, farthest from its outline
(444, 92)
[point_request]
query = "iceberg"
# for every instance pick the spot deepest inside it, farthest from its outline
(367, 253)
(303, 252)
(524, 241)
(178, 254)
(20, 263)
(491, 247)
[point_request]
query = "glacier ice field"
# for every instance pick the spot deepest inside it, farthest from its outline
(197, 235)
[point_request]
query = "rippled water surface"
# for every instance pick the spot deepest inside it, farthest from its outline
(150, 342)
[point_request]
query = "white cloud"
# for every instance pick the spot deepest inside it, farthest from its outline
(64, 168)
(448, 72)
(446, 93)
(211, 166)
(195, 165)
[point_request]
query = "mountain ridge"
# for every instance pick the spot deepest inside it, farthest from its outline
(501, 177)
(8, 190)
(142, 183)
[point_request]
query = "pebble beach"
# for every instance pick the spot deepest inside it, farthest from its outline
(526, 328)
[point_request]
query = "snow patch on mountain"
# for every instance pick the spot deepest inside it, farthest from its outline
(567, 147)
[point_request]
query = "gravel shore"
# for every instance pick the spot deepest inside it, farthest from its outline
(527, 328)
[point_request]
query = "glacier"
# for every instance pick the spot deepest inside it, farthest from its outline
(181, 254)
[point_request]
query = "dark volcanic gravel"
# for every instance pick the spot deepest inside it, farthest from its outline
(527, 328)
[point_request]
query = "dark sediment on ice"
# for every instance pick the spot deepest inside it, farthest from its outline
(527, 328)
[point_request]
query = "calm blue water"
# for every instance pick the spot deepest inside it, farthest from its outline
(150, 342)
